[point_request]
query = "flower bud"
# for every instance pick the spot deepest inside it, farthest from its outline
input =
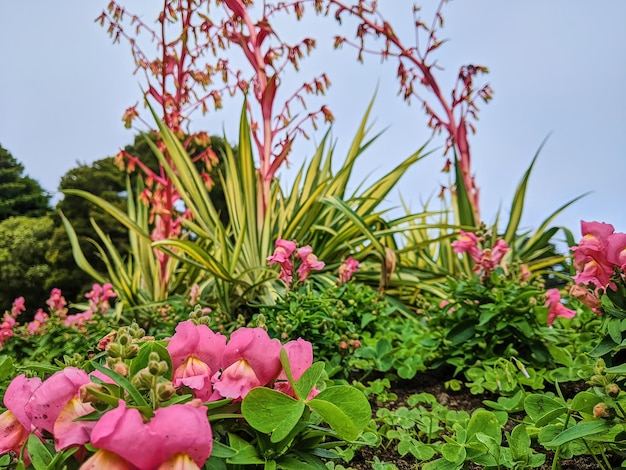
(143, 379)
(153, 368)
(599, 367)
(114, 350)
(612, 390)
(121, 368)
(165, 391)
(85, 395)
(602, 410)
(124, 338)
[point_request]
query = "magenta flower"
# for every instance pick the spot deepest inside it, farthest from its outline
(282, 255)
(309, 262)
(616, 250)
(57, 303)
(467, 243)
(555, 307)
(196, 353)
(347, 269)
(174, 431)
(18, 307)
(38, 321)
(251, 359)
(15, 424)
(594, 271)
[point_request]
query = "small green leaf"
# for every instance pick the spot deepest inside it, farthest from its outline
(344, 408)
(270, 411)
(39, 453)
(307, 381)
(247, 454)
(585, 401)
(453, 452)
(142, 359)
(582, 429)
(519, 442)
(543, 409)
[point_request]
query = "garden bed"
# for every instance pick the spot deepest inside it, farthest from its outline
(432, 382)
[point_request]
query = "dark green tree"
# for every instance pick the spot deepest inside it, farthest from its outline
(19, 194)
(24, 266)
(101, 178)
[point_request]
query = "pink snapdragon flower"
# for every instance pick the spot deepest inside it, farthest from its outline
(196, 353)
(251, 359)
(57, 303)
(590, 257)
(347, 269)
(78, 320)
(300, 354)
(555, 307)
(15, 424)
(175, 433)
(38, 321)
(616, 250)
(19, 306)
(282, 255)
(55, 405)
(99, 297)
(467, 243)
(309, 262)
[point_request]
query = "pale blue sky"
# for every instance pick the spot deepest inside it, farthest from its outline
(557, 67)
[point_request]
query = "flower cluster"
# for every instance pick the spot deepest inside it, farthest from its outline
(126, 435)
(98, 298)
(486, 259)
(599, 259)
(287, 255)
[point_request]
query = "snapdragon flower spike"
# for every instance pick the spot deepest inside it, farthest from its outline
(555, 307)
(251, 359)
(15, 424)
(196, 354)
(282, 255)
(174, 431)
(467, 243)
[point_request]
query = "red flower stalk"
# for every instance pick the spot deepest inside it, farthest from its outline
(415, 71)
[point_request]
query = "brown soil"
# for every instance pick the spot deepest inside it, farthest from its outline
(433, 382)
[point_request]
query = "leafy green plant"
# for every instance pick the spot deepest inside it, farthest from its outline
(487, 318)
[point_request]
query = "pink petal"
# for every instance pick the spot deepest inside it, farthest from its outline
(260, 351)
(50, 398)
(67, 432)
(237, 380)
(198, 341)
(18, 394)
(12, 433)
